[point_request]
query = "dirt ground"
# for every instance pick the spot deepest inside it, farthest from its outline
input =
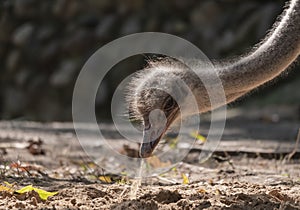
(252, 173)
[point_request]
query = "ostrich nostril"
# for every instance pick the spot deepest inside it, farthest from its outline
(152, 144)
(146, 150)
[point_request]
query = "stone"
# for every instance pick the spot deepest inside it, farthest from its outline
(130, 6)
(22, 76)
(131, 25)
(49, 53)
(99, 5)
(12, 61)
(65, 9)
(105, 26)
(175, 27)
(64, 74)
(45, 33)
(2, 51)
(23, 34)
(88, 21)
(6, 28)
(25, 8)
(35, 83)
(78, 41)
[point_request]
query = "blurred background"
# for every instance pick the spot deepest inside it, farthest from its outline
(44, 44)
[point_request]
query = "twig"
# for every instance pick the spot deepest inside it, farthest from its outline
(291, 154)
(122, 193)
(167, 180)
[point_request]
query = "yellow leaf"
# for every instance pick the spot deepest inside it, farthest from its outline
(28, 188)
(122, 182)
(173, 143)
(8, 184)
(198, 136)
(124, 173)
(7, 189)
(106, 179)
(185, 179)
(42, 193)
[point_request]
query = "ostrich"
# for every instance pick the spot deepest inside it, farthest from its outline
(274, 54)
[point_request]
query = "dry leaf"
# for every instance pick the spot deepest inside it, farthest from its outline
(105, 179)
(185, 179)
(42, 193)
(198, 136)
(202, 191)
(155, 162)
(7, 189)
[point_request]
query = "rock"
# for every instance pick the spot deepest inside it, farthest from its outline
(184, 5)
(205, 17)
(99, 5)
(130, 6)
(78, 41)
(105, 26)
(45, 33)
(22, 76)
(50, 53)
(88, 21)
(25, 8)
(36, 83)
(64, 74)
(12, 61)
(175, 27)
(2, 50)
(6, 28)
(23, 34)
(131, 25)
(152, 24)
(65, 9)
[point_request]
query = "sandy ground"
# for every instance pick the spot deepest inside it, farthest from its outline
(237, 176)
(252, 184)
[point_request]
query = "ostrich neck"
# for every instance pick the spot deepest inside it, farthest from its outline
(264, 63)
(272, 57)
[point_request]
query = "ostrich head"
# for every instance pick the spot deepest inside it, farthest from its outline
(157, 97)
(158, 110)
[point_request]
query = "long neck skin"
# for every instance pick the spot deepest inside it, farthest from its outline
(267, 61)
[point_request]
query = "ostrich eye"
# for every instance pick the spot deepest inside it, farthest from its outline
(169, 104)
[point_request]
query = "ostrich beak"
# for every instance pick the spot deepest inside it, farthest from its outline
(153, 132)
(150, 141)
